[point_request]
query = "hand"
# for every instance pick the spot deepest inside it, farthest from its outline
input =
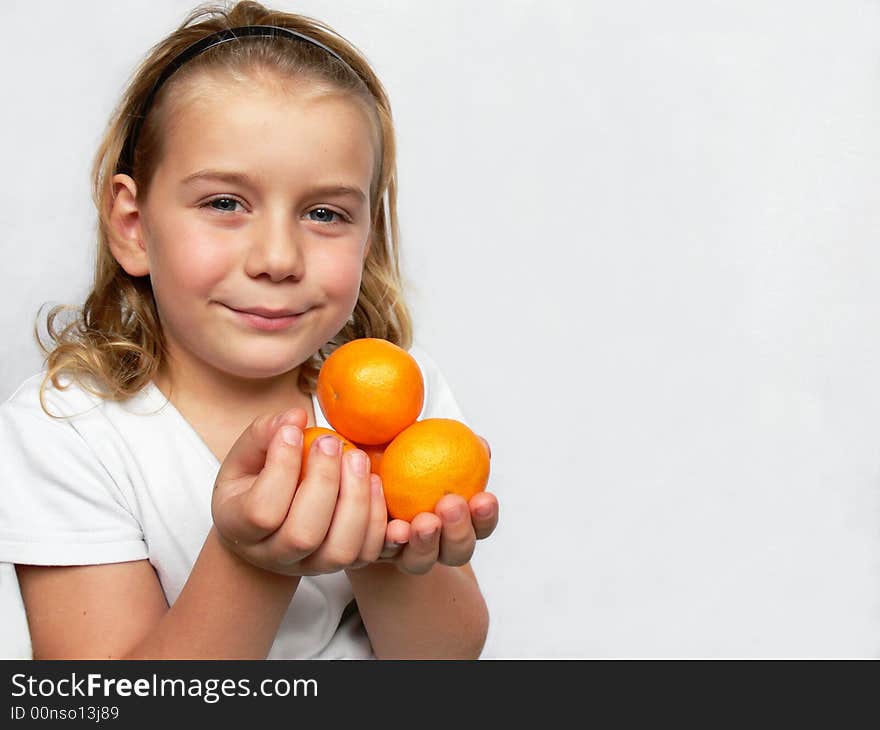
(447, 535)
(334, 519)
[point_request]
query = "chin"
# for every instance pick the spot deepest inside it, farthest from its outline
(257, 366)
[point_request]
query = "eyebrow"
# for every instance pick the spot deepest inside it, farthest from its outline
(240, 178)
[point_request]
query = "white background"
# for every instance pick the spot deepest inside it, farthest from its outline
(641, 241)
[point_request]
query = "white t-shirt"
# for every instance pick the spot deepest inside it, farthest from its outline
(132, 480)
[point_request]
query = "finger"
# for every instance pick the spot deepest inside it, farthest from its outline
(457, 538)
(248, 454)
(484, 513)
(397, 534)
(420, 554)
(375, 537)
(348, 528)
(252, 514)
(314, 503)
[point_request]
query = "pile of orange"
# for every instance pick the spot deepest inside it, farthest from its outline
(372, 392)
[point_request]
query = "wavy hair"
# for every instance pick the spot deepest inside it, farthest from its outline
(113, 345)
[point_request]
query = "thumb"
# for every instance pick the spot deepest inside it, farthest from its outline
(248, 454)
(254, 512)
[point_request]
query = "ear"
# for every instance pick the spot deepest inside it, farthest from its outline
(126, 230)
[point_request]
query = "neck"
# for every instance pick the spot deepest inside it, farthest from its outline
(207, 396)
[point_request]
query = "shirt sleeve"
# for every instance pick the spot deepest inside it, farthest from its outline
(59, 505)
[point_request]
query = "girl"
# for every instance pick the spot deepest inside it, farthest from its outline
(150, 499)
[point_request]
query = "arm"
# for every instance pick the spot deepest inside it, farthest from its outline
(228, 609)
(438, 615)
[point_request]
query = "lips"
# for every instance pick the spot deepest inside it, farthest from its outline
(267, 320)
(268, 313)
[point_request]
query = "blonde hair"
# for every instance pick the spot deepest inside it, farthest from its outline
(114, 344)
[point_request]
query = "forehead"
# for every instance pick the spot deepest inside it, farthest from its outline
(269, 130)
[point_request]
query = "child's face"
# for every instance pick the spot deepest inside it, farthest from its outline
(216, 246)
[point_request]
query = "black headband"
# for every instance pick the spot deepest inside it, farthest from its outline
(126, 160)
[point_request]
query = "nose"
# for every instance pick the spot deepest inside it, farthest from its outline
(277, 249)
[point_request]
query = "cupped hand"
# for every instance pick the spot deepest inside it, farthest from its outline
(447, 535)
(334, 519)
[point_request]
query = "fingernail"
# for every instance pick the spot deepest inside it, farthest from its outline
(484, 511)
(394, 545)
(425, 534)
(359, 462)
(291, 435)
(375, 485)
(455, 513)
(329, 445)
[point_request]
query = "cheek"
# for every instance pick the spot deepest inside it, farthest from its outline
(340, 275)
(188, 264)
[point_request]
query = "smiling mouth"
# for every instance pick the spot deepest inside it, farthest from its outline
(268, 313)
(272, 319)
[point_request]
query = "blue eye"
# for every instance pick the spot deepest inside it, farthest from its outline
(229, 203)
(227, 200)
(326, 212)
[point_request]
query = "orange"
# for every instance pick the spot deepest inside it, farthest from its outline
(370, 390)
(315, 432)
(429, 459)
